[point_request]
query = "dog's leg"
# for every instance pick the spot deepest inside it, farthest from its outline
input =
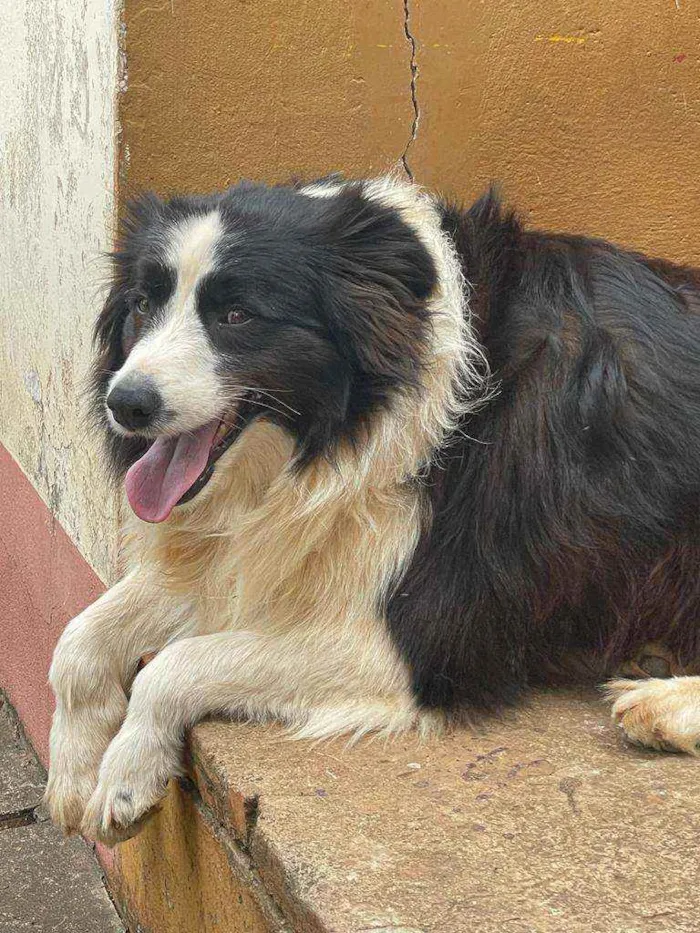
(659, 713)
(93, 665)
(319, 690)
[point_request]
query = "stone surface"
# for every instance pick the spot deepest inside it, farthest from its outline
(21, 777)
(49, 884)
(545, 821)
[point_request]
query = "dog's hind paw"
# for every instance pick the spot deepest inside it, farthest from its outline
(658, 713)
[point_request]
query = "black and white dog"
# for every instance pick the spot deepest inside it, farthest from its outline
(389, 462)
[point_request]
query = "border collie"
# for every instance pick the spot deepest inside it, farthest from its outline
(389, 462)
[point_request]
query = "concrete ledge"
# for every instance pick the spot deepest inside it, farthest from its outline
(184, 873)
(545, 822)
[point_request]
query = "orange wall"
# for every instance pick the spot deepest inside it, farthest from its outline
(587, 111)
(219, 89)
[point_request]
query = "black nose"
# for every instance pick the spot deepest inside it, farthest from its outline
(135, 402)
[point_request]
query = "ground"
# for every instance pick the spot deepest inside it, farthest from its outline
(47, 883)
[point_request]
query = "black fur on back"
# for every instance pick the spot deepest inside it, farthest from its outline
(565, 514)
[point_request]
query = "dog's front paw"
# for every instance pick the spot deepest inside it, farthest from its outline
(659, 713)
(133, 779)
(66, 796)
(116, 813)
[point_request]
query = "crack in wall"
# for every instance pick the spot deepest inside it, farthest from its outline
(414, 78)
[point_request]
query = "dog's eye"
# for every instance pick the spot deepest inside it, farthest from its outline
(142, 306)
(235, 316)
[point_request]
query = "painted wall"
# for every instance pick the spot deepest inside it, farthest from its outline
(44, 582)
(58, 75)
(263, 89)
(587, 111)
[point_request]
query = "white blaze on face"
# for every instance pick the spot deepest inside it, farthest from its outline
(176, 354)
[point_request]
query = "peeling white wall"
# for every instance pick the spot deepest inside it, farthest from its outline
(58, 83)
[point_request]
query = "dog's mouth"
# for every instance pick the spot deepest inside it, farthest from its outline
(175, 469)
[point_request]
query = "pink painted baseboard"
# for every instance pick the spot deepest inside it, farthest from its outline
(44, 583)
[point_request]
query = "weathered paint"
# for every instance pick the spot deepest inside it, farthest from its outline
(180, 875)
(58, 74)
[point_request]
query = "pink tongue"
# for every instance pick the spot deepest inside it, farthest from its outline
(157, 482)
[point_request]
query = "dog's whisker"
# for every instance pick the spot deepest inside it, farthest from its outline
(269, 407)
(268, 394)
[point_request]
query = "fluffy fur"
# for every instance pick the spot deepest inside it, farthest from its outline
(436, 494)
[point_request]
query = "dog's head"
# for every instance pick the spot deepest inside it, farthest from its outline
(303, 306)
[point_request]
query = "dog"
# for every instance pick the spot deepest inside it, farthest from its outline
(389, 463)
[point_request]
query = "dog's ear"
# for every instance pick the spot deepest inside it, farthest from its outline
(107, 329)
(382, 276)
(372, 238)
(139, 224)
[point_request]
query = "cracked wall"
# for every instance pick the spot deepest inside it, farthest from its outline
(413, 68)
(57, 74)
(587, 112)
(264, 90)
